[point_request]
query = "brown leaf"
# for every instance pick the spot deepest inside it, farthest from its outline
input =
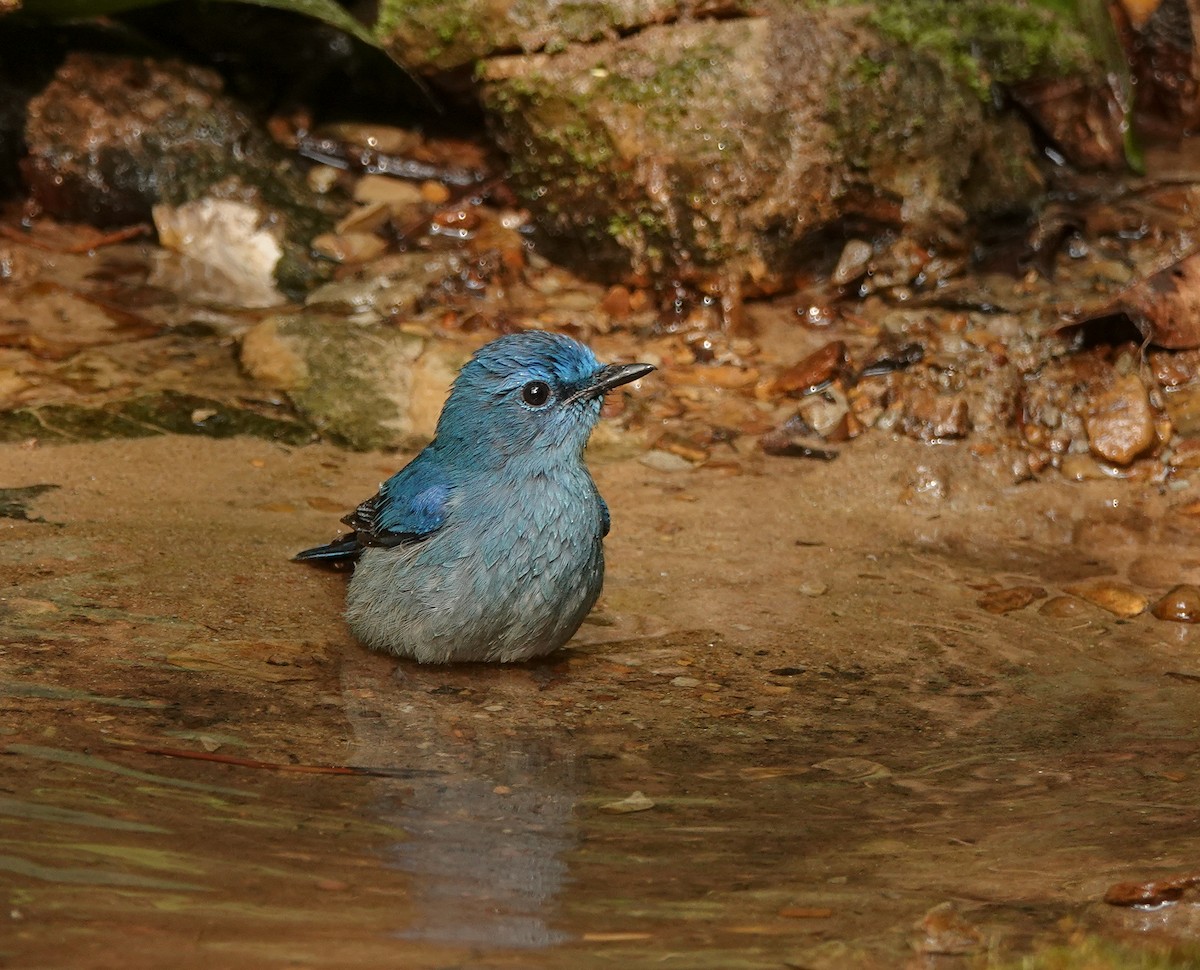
(1165, 307)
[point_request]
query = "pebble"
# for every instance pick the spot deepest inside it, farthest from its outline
(435, 192)
(1081, 468)
(1120, 421)
(929, 416)
(852, 263)
(637, 802)
(1181, 605)
(364, 218)
(685, 682)
(350, 247)
(1001, 601)
(687, 450)
(816, 369)
(1117, 598)
(943, 931)
(664, 461)
(812, 589)
(1064, 607)
(396, 193)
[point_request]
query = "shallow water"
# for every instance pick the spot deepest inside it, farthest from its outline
(791, 663)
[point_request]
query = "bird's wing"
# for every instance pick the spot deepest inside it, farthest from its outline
(409, 506)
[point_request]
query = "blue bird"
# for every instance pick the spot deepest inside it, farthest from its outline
(488, 546)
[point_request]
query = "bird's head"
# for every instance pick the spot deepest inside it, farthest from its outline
(528, 393)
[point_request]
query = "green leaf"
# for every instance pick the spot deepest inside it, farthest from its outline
(324, 10)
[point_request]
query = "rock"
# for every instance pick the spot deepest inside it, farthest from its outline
(1013, 598)
(943, 931)
(229, 238)
(1117, 598)
(930, 416)
(1120, 421)
(110, 137)
(856, 255)
(1065, 607)
(1182, 405)
(369, 386)
(1181, 604)
(1081, 468)
(713, 147)
(398, 194)
(665, 461)
(818, 368)
(349, 247)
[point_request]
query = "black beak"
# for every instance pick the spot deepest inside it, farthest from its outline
(608, 377)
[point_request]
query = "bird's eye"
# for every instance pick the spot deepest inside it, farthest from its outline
(535, 393)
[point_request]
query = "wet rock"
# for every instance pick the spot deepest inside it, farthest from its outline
(1156, 892)
(1183, 407)
(943, 931)
(110, 137)
(856, 255)
(825, 413)
(713, 146)
(1181, 604)
(1065, 607)
(1081, 468)
(817, 369)
(239, 252)
(349, 247)
(930, 416)
(368, 386)
(1117, 598)
(366, 218)
(1002, 601)
(399, 195)
(1120, 421)
(1186, 454)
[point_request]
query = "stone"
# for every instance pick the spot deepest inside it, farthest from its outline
(717, 146)
(110, 137)
(1120, 421)
(367, 386)
(1181, 604)
(1117, 598)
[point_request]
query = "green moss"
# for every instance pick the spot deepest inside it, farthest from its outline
(674, 84)
(143, 417)
(989, 41)
(441, 33)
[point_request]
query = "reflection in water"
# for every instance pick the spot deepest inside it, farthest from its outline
(487, 831)
(489, 865)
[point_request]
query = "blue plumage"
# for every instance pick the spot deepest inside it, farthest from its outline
(488, 545)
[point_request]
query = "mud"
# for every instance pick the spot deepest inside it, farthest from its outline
(795, 663)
